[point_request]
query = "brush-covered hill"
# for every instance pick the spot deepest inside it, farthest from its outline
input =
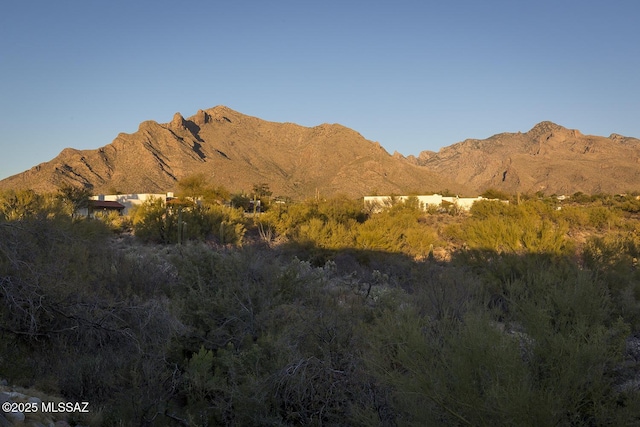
(548, 158)
(236, 151)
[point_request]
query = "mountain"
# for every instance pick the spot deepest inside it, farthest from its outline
(548, 158)
(236, 151)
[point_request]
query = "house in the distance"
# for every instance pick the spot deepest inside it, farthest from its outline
(101, 207)
(127, 201)
(378, 203)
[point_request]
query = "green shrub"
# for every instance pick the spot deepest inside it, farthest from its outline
(154, 221)
(602, 218)
(576, 216)
(329, 234)
(543, 357)
(614, 260)
(150, 221)
(398, 229)
(525, 228)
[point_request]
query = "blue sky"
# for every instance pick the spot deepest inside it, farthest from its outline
(412, 75)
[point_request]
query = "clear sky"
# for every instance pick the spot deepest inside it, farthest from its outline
(412, 75)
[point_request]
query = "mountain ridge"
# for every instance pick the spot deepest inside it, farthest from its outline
(239, 151)
(236, 151)
(548, 158)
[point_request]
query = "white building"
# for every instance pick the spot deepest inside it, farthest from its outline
(378, 203)
(130, 200)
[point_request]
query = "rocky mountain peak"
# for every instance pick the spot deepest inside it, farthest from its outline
(545, 126)
(178, 122)
(201, 118)
(548, 128)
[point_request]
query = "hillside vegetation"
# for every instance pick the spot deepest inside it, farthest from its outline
(321, 313)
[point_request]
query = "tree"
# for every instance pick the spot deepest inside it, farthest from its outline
(493, 193)
(198, 187)
(21, 204)
(74, 198)
(240, 201)
(192, 186)
(150, 221)
(260, 192)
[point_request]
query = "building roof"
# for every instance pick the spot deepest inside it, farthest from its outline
(105, 204)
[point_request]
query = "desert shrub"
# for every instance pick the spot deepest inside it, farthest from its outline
(441, 293)
(233, 229)
(575, 216)
(267, 343)
(153, 221)
(580, 197)
(575, 340)
(329, 234)
(287, 220)
(222, 288)
(526, 228)
(511, 235)
(342, 210)
(398, 229)
(197, 187)
(380, 233)
(27, 204)
(73, 198)
(493, 233)
(545, 356)
(602, 217)
(613, 259)
(85, 323)
(240, 201)
(18, 205)
(483, 209)
(116, 222)
(630, 204)
(226, 225)
(419, 241)
(221, 387)
(340, 223)
(149, 221)
(493, 193)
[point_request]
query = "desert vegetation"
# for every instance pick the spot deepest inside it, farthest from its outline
(320, 313)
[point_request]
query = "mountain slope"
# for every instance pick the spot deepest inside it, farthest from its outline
(548, 158)
(235, 151)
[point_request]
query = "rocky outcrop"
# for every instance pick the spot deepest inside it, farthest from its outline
(27, 407)
(178, 123)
